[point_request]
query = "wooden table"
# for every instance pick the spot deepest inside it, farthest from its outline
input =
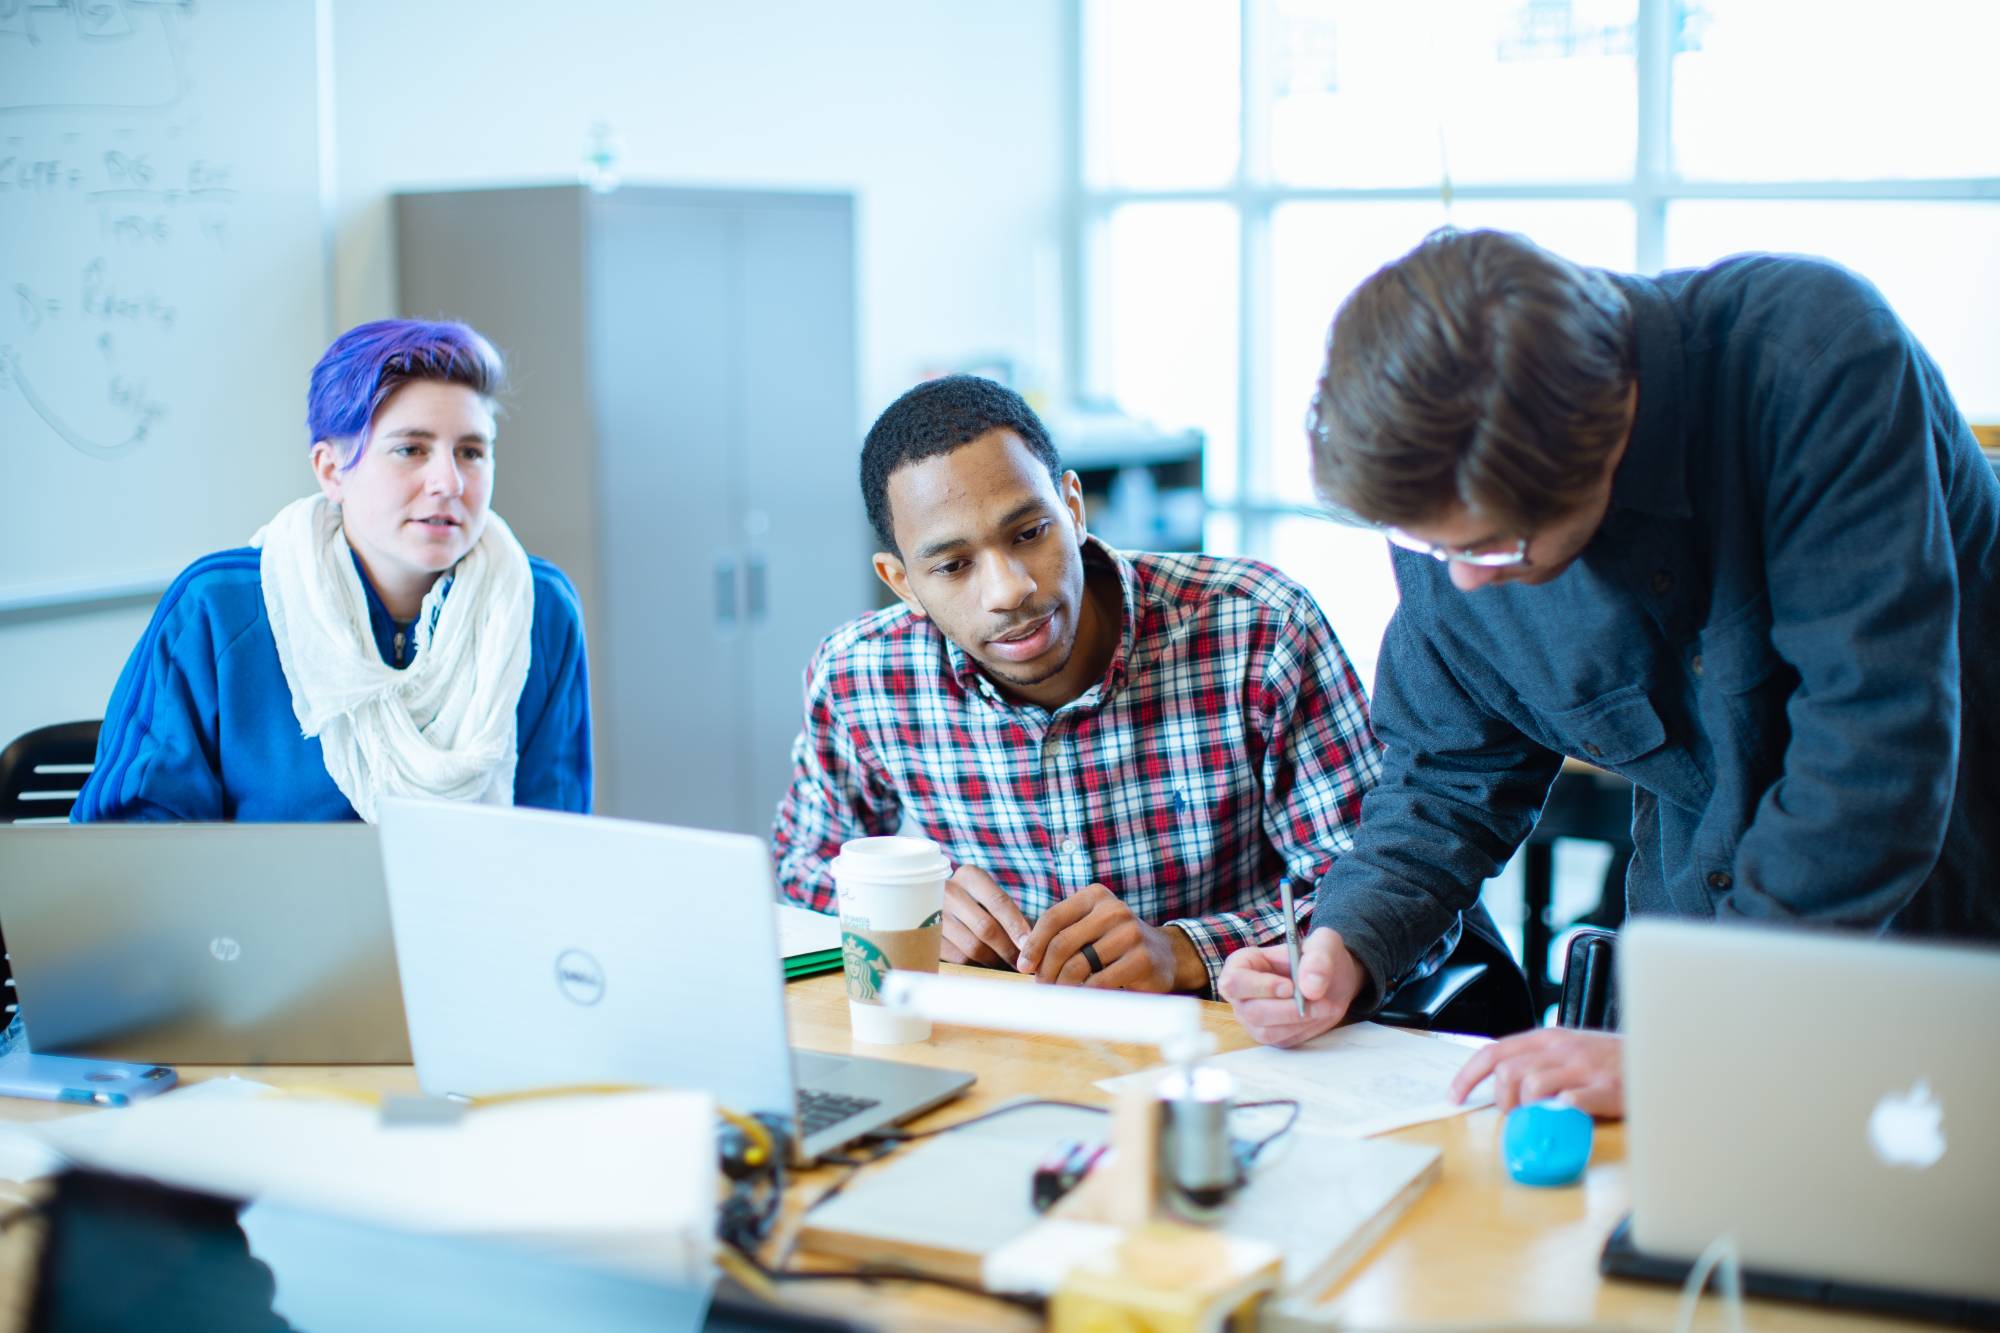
(1476, 1247)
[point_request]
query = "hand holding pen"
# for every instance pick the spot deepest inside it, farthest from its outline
(1287, 993)
(1291, 940)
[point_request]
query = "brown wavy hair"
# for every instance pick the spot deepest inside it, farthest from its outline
(1477, 370)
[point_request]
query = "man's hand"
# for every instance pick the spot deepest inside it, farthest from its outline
(1131, 954)
(1257, 982)
(1586, 1068)
(981, 923)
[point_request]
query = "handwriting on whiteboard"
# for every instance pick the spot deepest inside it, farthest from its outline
(116, 196)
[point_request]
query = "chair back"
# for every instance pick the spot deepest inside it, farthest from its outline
(41, 773)
(43, 770)
(1480, 989)
(1589, 986)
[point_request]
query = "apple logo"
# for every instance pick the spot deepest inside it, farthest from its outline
(1907, 1128)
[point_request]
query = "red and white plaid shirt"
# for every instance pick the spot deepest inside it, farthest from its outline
(1227, 744)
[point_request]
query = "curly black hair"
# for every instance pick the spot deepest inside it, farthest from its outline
(935, 418)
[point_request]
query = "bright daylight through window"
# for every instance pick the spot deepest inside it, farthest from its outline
(1245, 163)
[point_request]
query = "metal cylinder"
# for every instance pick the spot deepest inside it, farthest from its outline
(1197, 1166)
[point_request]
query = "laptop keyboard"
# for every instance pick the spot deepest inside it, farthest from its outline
(821, 1110)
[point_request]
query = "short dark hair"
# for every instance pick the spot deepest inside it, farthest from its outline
(935, 418)
(1480, 370)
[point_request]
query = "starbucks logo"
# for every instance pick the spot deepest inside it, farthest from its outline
(934, 919)
(864, 964)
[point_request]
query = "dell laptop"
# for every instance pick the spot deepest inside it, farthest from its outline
(203, 943)
(1831, 1102)
(544, 950)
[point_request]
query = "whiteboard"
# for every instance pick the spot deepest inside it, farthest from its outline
(162, 283)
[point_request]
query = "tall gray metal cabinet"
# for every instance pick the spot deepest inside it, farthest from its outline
(681, 437)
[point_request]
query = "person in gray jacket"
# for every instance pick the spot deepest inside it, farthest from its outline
(1723, 532)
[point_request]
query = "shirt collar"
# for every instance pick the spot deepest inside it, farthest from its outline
(1095, 554)
(379, 620)
(385, 626)
(1652, 477)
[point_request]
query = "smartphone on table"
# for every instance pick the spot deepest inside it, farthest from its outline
(82, 1081)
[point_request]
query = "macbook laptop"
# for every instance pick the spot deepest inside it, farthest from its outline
(1830, 1101)
(203, 943)
(544, 950)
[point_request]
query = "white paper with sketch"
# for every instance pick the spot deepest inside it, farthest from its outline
(1354, 1081)
(801, 931)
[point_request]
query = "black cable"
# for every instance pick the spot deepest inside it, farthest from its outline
(853, 1165)
(896, 1136)
(879, 1145)
(871, 1274)
(900, 1136)
(883, 1142)
(749, 1212)
(1253, 1150)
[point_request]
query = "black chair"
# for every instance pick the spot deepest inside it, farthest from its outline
(1480, 988)
(1586, 803)
(1589, 985)
(41, 773)
(44, 769)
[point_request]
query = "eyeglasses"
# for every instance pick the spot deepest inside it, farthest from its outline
(1502, 558)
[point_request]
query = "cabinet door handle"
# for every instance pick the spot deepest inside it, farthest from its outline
(755, 593)
(725, 592)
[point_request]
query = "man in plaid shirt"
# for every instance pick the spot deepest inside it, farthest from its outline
(1120, 754)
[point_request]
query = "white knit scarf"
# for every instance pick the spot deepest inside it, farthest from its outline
(444, 726)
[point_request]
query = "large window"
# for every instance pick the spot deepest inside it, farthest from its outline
(1242, 164)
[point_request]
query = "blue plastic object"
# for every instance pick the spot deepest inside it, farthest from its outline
(1546, 1143)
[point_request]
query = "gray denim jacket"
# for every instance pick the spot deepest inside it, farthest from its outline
(1783, 634)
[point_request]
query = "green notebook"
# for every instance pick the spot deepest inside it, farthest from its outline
(812, 964)
(810, 941)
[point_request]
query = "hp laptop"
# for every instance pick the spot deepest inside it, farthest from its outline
(1830, 1101)
(203, 943)
(543, 950)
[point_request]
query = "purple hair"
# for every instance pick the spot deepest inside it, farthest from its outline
(369, 362)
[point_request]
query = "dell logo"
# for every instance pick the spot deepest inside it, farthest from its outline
(579, 976)
(225, 949)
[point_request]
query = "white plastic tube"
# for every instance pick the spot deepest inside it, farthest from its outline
(1170, 1022)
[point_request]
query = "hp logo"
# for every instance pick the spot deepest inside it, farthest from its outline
(225, 949)
(579, 977)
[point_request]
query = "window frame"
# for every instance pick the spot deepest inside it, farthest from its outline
(1252, 504)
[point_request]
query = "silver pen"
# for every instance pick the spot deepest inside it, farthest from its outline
(1291, 941)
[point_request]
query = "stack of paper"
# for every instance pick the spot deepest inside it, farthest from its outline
(1355, 1081)
(809, 941)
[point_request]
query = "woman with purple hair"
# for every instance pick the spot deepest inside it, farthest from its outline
(386, 636)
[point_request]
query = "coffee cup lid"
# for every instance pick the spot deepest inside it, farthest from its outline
(891, 858)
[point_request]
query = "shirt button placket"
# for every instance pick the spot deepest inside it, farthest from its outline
(1056, 750)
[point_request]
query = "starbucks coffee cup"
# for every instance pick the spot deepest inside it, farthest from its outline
(891, 893)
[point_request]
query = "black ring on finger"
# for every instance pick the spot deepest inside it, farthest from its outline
(1090, 956)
